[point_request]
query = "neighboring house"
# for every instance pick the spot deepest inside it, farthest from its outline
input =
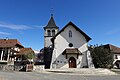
(25, 53)
(9, 48)
(39, 59)
(116, 54)
(67, 48)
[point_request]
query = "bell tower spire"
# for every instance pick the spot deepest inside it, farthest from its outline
(50, 30)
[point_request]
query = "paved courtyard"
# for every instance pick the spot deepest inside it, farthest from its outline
(53, 76)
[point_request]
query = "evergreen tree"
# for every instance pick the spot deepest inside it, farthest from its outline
(102, 57)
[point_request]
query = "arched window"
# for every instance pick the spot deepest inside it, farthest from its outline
(70, 33)
(49, 32)
(53, 32)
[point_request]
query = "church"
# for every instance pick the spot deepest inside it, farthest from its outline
(66, 48)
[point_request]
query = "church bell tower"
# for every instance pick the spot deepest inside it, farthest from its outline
(49, 31)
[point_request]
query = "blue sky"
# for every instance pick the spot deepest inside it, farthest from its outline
(24, 19)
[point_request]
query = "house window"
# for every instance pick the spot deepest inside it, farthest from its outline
(49, 32)
(116, 57)
(70, 33)
(53, 32)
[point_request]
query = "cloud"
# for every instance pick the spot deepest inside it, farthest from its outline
(113, 31)
(5, 33)
(14, 26)
(39, 27)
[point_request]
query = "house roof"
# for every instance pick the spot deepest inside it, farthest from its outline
(51, 23)
(113, 48)
(10, 43)
(70, 23)
(24, 51)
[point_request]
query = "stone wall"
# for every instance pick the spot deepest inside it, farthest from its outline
(38, 67)
(17, 68)
(10, 68)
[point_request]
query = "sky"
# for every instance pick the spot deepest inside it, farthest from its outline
(24, 19)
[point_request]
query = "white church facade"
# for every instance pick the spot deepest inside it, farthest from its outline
(69, 46)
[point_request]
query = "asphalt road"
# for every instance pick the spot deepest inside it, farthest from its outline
(53, 76)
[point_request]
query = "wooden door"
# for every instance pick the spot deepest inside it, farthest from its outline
(72, 62)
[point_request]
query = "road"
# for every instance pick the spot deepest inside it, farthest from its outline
(53, 76)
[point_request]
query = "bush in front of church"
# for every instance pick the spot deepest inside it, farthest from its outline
(102, 57)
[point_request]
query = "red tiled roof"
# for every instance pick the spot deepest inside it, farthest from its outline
(24, 51)
(10, 43)
(113, 48)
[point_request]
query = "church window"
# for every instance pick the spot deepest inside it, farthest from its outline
(49, 32)
(70, 33)
(53, 32)
(70, 45)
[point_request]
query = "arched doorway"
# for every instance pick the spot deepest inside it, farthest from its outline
(72, 62)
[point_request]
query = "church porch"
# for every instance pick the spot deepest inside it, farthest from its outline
(72, 55)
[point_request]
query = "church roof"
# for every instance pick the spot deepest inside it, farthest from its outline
(70, 23)
(51, 23)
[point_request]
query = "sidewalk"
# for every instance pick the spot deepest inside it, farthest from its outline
(116, 70)
(81, 71)
(2, 78)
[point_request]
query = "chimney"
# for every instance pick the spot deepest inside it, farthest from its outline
(7, 38)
